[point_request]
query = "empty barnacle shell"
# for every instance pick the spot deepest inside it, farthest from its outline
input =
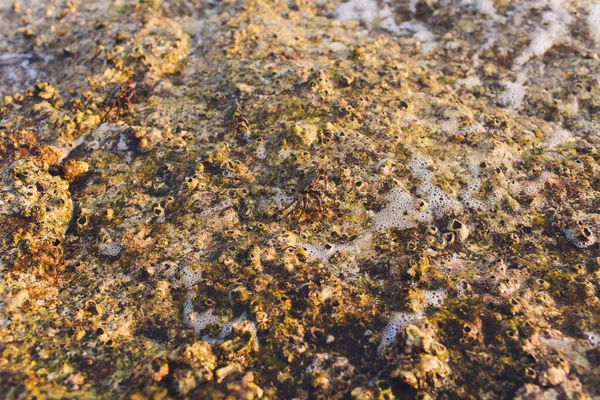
(581, 236)
(459, 228)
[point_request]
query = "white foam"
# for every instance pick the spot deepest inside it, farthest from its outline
(111, 250)
(514, 94)
(558, 137)
(122, 144)
(401, 213)
(16, 69)
(557, 21)
(13, 57)
(532, 188)
(387, 20)
(200, 321)
(450, 126)
(193, 319)
(313, 366)
(219, 207)
(571, 235)
(593, 21)
(421, 32)
(476, 60)
(358, 10)
(397, 321)
(64, 152)
(412, 6)
(324, 253)
(485, 7)
(227, 328)
(369, 13)
(261, 151)
(593, 338)
(318, 252)
(472, 189)
(435, 298)
(470, 82)
(438, 201)
(189, 277)
(282, 199)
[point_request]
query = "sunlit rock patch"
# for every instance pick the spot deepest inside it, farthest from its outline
(448, 248)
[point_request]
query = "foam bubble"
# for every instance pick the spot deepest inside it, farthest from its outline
(532, 188)
(420, 168)
(421, 32)
(439, 202)
(450, 126)
(324, 253)
(397, 321)
(122, 145)
(282, 199)
(470, 82)
(435, 298)
(358, 10)
(573, 237)
(484, 7)
(558, 137)
(400, 213)
(190, 275)
(261, 151)
(593, 338)
(556, 20)
(513, 95)
(313, 366)
(193, 319)
(201, 321)
(111, 250)
(321, 253)
(472, 188)
(227, 328)
(368, 12)
(405, 212)
(219, 207)
(593, 21)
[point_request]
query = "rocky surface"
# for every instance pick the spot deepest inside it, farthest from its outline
(300, 199)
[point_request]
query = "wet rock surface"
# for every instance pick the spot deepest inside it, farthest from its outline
(300, 199)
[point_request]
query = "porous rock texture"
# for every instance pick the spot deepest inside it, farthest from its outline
(300, 199)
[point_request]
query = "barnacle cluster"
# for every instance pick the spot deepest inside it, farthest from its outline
(455, 252)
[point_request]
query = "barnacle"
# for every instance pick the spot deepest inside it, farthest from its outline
(581, 237)
(447, 247)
